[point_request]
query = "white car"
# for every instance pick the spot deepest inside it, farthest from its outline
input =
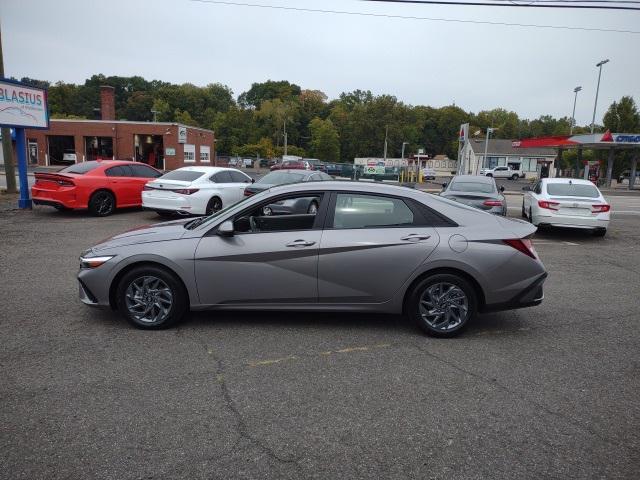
(566, 202)
(195, 190)
(502, 172)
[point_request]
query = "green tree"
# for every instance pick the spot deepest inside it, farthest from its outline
(622, 116)
(325, 141)
(138, 107)
(269, 90)
(184, 118)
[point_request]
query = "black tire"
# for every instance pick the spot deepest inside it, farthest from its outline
(524, 214)
(514, 176)
(102, 203)
(179, 298)
(165, 214)
(489, 174)
(414, 299)
(214, 205)
(600, 232)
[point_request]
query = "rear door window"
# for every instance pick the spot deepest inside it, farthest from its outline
(370, 211)
(222, 177)
(144, 171)
(238, 177)
(119, 171)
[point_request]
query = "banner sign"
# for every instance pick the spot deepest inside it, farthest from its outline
(23, 106)
(182, 134)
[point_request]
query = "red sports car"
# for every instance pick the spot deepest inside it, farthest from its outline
(101, 186)
(292, 164)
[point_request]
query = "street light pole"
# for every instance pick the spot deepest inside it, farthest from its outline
(486, 146)
(595, 104)
(573, 115)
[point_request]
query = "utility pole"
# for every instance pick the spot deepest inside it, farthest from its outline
(595, 104)
(285, 136)
(386, 135)
(486, 147)
(7, 148)
(573, 115)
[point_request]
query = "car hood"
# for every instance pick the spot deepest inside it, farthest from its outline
(157, 232)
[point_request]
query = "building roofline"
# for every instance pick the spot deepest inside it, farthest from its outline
(85, 120)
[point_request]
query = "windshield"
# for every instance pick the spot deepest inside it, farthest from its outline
(182, 175)
(472, 187)
(236, 206)
(81, 168)
(280, 178)
(572, 190)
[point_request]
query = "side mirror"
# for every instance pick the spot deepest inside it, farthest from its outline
(226, 229)
(502, 188)
(527, 188)
(253, 180)
(444, 185)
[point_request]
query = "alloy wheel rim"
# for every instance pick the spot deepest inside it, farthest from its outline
(443, 306)
(104, 203)
(149, 299)
(215, 206)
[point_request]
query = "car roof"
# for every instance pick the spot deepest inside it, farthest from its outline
(347, 186)
(305, 173)
(474, 178)
(205, 169)
(575, 181)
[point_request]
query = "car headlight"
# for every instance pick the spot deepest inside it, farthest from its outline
(94, 262)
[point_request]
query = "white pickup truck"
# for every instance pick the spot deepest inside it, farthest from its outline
(502, 172)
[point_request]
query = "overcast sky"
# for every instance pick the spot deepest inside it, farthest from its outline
(531, 71)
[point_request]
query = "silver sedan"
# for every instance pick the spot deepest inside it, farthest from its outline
(375, 248)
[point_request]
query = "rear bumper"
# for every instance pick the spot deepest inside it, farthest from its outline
(530, 296)
(569, 221)
(167, 204)
(52, 198)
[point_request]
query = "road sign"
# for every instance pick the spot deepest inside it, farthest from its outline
(23, 106)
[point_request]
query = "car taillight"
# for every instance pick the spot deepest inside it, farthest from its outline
(548, 205)
(146, 188)
(65, 183)
(492, 203)
(523, 245)
(600, 208)
(247, 193)
(185, 191)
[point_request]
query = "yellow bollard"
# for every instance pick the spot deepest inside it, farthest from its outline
(420, 179)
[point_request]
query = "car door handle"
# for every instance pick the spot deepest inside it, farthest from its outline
(416, 237)
(300, 243)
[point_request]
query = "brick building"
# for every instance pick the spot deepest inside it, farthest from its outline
(162, 144)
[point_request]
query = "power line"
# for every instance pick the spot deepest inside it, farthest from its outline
(533, 4)
(406, 17)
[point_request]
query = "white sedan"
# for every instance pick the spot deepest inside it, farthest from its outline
(195, 190)
(566, 202)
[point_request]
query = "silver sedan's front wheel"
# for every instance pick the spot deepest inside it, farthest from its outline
(442, 304)
(151, 297)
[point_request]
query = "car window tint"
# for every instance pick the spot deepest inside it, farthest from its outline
(238, 177)
(81, 168)
(572, 190)
(118, 171)
(182, 175)
(222, 177)
(466, 186)
(370, 211)
(144, 171)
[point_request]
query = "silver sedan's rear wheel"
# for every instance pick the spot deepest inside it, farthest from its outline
(442, 304)
(151, 297)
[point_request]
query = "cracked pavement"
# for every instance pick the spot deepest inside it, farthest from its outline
(546, 392)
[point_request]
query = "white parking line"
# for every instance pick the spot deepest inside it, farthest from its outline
(551, 242)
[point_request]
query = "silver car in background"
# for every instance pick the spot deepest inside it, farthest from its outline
(476, 191)
(367, 248)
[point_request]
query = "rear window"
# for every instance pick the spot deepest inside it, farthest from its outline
(81, 168)
(280, 178)
(572, 190)
(472, 187)
(182, 175)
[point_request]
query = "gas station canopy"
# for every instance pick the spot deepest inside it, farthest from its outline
(598, 141)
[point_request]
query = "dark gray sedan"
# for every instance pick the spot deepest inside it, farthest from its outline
(476, 191)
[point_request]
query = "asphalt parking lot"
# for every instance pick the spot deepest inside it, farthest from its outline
(546, 392)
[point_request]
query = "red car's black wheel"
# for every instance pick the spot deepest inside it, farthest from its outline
(102, 203)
